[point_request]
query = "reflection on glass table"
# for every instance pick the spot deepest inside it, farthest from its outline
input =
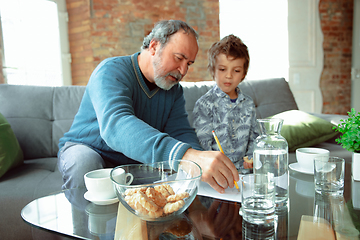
(69, 214)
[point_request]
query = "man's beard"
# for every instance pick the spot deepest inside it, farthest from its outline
(160, 80)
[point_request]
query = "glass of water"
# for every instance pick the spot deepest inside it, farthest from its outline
(258, 198)
(329, 174)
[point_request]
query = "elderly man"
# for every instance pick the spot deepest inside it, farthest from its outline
(133, 110)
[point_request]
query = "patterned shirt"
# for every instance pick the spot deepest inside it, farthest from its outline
(233, 122)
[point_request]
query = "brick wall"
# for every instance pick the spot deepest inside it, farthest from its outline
(104, 28)
(99, 29)
(336, 18)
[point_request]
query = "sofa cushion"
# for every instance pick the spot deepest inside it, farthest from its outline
(39, 116)
(29, 112)
(11, 154)
(301, 129)
(34, 179)
(270, 96)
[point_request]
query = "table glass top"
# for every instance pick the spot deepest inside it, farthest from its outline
(307, 214)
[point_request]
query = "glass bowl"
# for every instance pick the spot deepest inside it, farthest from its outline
(159, 191)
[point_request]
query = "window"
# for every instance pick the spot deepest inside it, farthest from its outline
(262, 25)
(33, 52)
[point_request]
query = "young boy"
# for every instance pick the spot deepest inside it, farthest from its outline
(225, 109)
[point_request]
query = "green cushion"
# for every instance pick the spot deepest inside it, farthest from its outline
(11, 154)
(301, 129)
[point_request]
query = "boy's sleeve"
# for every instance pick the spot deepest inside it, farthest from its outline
(203, 124)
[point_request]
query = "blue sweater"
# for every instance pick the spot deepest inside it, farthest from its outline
(121, 119)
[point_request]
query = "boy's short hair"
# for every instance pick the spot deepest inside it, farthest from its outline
(231, 46)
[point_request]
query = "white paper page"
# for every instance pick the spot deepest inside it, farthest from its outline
(231, 194)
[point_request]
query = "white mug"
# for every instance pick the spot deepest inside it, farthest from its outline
(99, 184)
(121, 177)
(305, 156)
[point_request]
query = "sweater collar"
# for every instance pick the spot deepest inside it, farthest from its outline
(139, 77)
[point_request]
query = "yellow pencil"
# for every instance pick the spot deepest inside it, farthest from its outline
(221, 150)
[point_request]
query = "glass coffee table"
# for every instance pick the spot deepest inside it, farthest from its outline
(68, 214)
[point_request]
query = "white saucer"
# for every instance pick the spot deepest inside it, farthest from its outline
(88, 197)
(296, 167)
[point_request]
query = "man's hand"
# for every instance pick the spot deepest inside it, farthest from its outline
(218, 170)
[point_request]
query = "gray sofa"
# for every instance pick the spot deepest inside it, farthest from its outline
(39, 116)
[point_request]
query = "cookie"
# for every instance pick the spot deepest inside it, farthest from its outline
(132, 191)
(246, 159)
(156, 197)
(177, 197)
(146, 202)
(162, 189)
(169, 189)
(171, 207)
(157, 213)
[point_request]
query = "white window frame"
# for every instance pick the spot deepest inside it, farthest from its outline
(64, 41)
(64, 51)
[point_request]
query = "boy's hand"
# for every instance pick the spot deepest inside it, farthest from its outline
(248, 163)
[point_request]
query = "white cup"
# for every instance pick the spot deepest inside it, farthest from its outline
(121, 177)
(305, 156)
(99, 184)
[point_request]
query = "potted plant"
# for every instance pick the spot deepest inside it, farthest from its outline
(350, 139)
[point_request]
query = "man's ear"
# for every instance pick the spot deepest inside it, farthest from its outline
(153, 46)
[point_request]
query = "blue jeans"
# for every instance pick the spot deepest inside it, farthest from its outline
(74, 161)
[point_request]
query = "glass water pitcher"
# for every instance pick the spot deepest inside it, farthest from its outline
(271, 155)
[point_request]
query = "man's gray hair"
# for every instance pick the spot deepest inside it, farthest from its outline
(163, 30)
